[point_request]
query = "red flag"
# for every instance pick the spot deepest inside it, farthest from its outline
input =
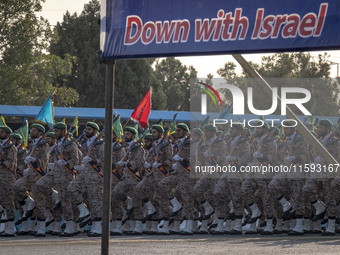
(141, 113)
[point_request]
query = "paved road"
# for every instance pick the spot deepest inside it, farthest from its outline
(197, 244)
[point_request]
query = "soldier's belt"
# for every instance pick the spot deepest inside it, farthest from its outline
(97, 169)
(116, 173)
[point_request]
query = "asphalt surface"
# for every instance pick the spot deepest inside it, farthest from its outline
(197, 244)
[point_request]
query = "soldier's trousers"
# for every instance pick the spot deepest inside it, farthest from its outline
(311, 189)
(7, 180)
(59, 178)
(284, 186)
(222, 198)
(233, 186)
(88, 182)
(26, 184)
(160, 198)
(205, 184)
(184, 184)
(116, 204)
(250, 186)
(127, 187)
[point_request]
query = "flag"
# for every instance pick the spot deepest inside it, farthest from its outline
(141, 113)
(311, 117)
(2, 121)
(75, 125)
(63, 121)
(23, 131)
(172, 128)
(117, 128)
(46, 114)
(225, 113)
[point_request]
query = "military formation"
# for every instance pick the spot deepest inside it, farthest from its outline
(55, 185)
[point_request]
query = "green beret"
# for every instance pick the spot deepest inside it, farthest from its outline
(148, 137)
(7, 129)
(92, 125)
(197, 131)
(131, 130)
(158, 127)
(290, 124)
(183, 126)
(210, 127)
(16, 136)
(275, 130)
(60, 125)
(39, 127)
(238, 126)
(51, 134)
(325, 122)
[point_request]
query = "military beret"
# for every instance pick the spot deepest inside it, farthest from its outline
(183, 126)
(238, 126)
(210, 127)
(51, 134)
(158, 127)
(148, 137)
(131, 130)
(92, 125)
(60, 125)
(325, 122)
(197, 131)
(275, 130)
(7, 129)
(39, 127)
(16, 136)
(289, 124)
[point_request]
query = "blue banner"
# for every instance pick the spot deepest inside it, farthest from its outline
(159, 28)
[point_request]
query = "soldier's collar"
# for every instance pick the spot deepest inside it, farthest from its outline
(291, 137)
(212, 139)
(36, 140)
(181, 139)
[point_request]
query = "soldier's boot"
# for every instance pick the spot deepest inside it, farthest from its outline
(268, 230)
(255, 213)
(41, 229)
(285, 226)
(227, 227)
(195, 227)
(203, 228)
(10, 229)
(237, 230)
(129, 205)
(56, 199)
(30, 207)
(70, 229)
(188, 228)
(330, 230)
(96, 230)
(57, 229)
(138, 230)
(176, 228)
(165, 229)
(118, 229)
(24, 229)
(84, 213)
(320, 210)
(278, 227)
(50, 230)
(214, 223)
(219, 230)
(298, 229)
(4, 217)
(307, 226)
(176, 206)
(151, 210)
(31, 229)
(49, 218)
(287, 208)
(252, 230)
(1, 209)
(208, 210)
(2, 227)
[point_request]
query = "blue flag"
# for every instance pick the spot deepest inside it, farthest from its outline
(46, 114)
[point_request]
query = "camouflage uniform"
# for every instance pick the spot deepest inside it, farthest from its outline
(28, 182)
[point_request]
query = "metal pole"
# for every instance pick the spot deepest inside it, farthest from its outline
(318, 147)
(109, 88)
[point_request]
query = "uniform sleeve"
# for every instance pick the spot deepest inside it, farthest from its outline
(10, 160)
(72, 155)
(271, 152)
(99, 155)
(167, 156)
(43, 155)
(244, 154)
(136, 158)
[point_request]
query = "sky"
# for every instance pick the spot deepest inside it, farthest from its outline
(53, 10)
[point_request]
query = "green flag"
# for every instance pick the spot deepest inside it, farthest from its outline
(75, 125)
(117, 128)
(23, 131)
(2, 121)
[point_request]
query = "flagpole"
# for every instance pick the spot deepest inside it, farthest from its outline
(109, 90)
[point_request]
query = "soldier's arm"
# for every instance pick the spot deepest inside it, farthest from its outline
(73, 159)
(43, 155)
(244, 157)
(272, 152)
(168, 155)
(11, 158)
(137, 158)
